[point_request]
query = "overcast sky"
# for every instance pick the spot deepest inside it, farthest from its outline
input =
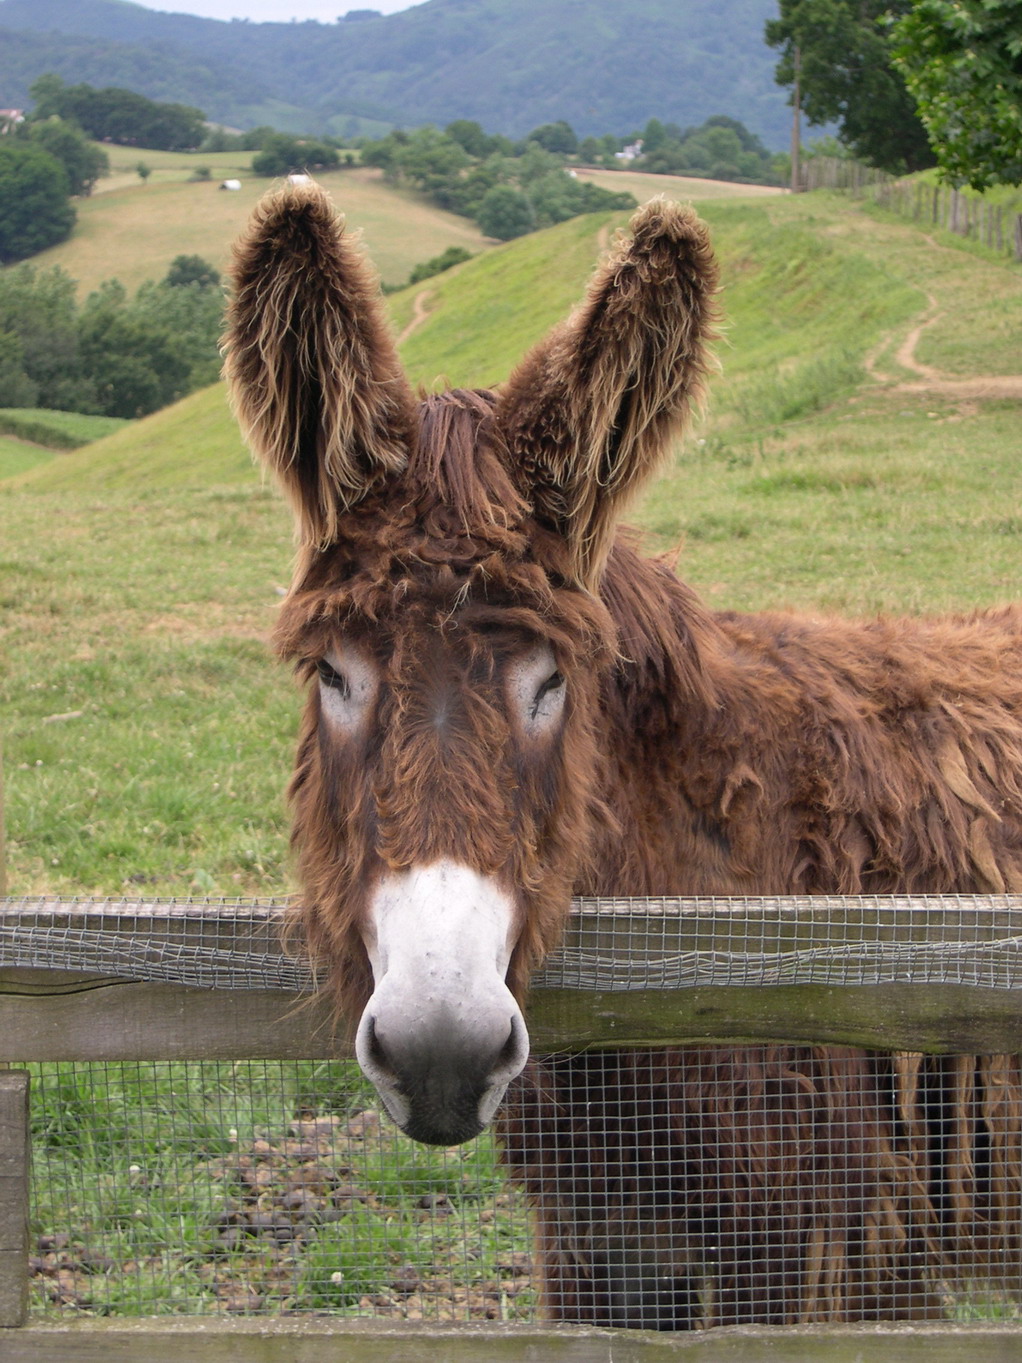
(279, 11)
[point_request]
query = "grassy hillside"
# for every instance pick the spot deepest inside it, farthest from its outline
(29, 437)
(147, 731)
(133, 232)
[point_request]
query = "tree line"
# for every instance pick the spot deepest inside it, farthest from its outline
(118, 115)
(52, 156)
(110, 355)
(510, 188)
(506, 190)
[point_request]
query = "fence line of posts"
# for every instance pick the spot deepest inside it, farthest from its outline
(58, 1011)
(996, 226)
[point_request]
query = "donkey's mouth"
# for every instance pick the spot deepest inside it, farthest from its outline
(436, 1092)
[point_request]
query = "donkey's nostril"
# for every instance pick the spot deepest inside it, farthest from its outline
(509, 1051)
(377, 1054)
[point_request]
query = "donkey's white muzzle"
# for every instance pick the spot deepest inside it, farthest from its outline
(442, 1036)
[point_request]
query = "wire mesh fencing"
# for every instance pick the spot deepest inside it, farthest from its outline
(667, 1187)
(611, 945)
(261, 1187)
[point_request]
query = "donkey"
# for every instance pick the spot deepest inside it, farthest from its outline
(508, 705)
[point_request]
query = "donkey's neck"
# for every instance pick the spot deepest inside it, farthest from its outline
(662, 701)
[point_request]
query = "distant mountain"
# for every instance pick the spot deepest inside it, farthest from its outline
(602, 65)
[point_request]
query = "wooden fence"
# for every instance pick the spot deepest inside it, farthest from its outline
(996, 226)
(49, 1014)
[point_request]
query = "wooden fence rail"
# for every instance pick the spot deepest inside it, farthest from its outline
(49, 1013)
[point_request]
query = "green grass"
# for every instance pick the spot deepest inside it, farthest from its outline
(193, 444)
(30, 437)
(684, 188)
(18, 456)
(499, 294)
(56, 430)
(152, 727)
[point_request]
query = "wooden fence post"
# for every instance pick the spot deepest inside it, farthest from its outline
(14, 1156)
(3, 843)
(1018, 237)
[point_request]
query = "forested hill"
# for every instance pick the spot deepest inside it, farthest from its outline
(604, 66)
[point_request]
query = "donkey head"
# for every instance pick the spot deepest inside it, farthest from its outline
(445, 612)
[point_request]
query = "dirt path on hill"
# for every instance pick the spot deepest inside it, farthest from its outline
(421, 304)
(936, 381)
(929, 379)
(420, 311)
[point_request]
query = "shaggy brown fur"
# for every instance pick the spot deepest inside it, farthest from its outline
(698, 754)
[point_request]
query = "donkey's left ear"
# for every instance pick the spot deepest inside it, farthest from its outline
(589, 414)
(313, 374)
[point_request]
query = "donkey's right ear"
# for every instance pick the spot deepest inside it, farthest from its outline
(312, 371)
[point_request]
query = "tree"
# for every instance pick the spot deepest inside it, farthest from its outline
(557, 137)
(282, 155)
(255, 138)
(191, 316)
(34, 208)
(962, 61)
(653, 136)
(114, 355)
(721, 148)
(39, 315)
(16, 388)
(432, 161)
(454, 255)
(83, 162)
(470, 136)
(131, 357)
(505, 213)
(47, 92)
(600, 149)
(118, 115)
(186, 270)
(847, 77)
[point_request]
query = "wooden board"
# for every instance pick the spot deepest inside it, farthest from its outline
(330, 1341)
(53, 1015)
(13, 1198)
(58, 1013)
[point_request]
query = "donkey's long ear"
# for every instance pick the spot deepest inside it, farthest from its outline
(313, 373)
(589, 413)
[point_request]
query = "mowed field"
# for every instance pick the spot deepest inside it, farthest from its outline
(684, 188)
(132, 230)
(860, 454)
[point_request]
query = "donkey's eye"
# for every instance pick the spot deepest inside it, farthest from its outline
(553, 683)
(348, 685)
(536, 689)
(329, 676)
